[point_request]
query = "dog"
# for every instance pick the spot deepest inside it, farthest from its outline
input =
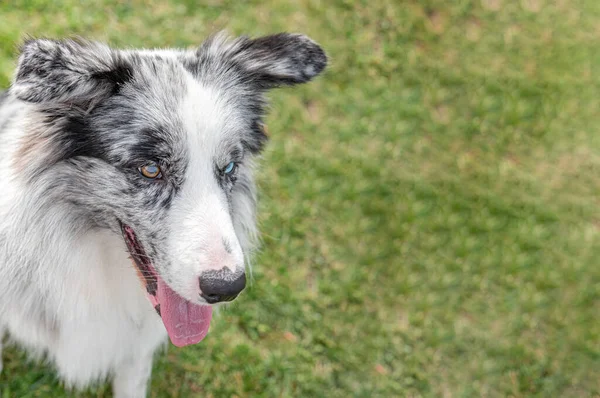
(127, 204)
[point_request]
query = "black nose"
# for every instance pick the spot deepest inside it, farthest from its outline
(221, 285)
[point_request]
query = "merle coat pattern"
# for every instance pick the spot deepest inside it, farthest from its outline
(78, 128)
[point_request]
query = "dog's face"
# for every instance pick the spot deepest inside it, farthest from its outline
(158, 146)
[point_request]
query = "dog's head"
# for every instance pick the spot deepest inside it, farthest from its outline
(158, 145)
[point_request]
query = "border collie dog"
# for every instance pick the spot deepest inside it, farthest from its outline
(127, 199)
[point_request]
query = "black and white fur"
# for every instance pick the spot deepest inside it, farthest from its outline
(75, 126)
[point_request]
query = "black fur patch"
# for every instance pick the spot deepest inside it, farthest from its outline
(76, 139)
(119, 76)
(259, 140)
(151, 144)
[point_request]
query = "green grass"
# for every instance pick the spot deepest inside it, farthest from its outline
(429, 207)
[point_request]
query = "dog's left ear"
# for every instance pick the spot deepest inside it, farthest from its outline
(269, 61)
(68, 71)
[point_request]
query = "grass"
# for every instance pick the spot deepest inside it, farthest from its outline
(429, 207)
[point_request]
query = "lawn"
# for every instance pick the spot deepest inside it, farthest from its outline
(429, 207)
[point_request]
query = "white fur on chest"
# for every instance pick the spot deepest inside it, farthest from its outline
(105, 319)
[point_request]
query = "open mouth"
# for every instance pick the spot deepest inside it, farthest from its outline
(186, 323)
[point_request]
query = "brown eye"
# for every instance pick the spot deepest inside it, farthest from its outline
(151, 171)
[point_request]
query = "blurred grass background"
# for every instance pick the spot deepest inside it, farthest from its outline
(429, 207)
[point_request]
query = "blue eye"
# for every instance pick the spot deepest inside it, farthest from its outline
(229, 168)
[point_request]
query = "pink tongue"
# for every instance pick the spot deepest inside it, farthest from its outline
(186, 323)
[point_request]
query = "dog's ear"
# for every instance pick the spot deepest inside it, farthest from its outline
(269, 61)
(68, 71)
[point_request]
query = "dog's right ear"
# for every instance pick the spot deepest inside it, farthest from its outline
(68, 71)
